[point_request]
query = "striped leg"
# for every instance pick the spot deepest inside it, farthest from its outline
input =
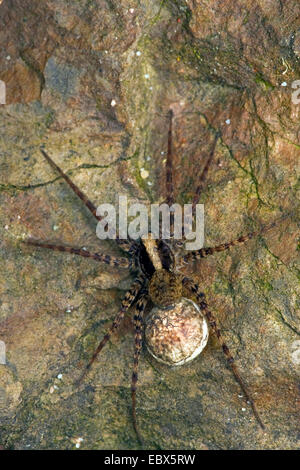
(138, 320)
(108, 259)
(124, 244)
(194, 255)
(200, 298)
(128, 300)
(203, 175)
(76, 190)
(169, 164)
(169, 176)
(202, 179)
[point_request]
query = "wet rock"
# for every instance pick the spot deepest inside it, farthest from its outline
(92, 83)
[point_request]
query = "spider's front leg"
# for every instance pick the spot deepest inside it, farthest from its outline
(102, 257)
(169, 164)
(192, 289)
(204, 252)
(124, 244)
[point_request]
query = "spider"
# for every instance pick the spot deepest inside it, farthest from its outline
(177, 303)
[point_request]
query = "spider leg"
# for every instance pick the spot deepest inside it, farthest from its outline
(169, 175)
(138, 319)
(203, 252)
(203, 175)
(202, 179)
(169, 164)
(128, 300)
(76, 190)
(200, 298)
(108, 259)
(123, 243)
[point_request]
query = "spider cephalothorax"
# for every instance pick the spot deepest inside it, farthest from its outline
(176, 328)
(165, 288)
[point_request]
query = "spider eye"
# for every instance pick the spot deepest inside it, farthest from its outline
(177, 335)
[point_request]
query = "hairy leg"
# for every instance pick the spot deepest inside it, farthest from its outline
(108, 259)
(128, 300)
(124, 244)
(193, 289)
(204, 252)
(76, 190)
(201, 182)
(169, 164)
(203, 175)
(138, 320)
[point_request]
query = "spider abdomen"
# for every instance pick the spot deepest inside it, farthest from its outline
(177, 335)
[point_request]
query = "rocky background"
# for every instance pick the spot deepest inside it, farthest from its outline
(92, 81)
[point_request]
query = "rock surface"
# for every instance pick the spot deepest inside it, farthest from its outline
(92, 81)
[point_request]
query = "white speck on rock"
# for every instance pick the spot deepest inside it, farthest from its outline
(144, 173)
(8, 57)
(78, 442)
(284, 84)
(113, 103)
(228, 121)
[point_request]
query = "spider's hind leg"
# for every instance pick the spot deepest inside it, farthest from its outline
(138, 320)
(128, 300)
(193, 289)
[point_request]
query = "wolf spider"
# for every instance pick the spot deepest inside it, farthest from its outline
(157, 282)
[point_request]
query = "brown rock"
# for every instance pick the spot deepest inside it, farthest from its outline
(93, 82)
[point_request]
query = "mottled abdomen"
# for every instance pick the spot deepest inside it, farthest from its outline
(177, 335)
